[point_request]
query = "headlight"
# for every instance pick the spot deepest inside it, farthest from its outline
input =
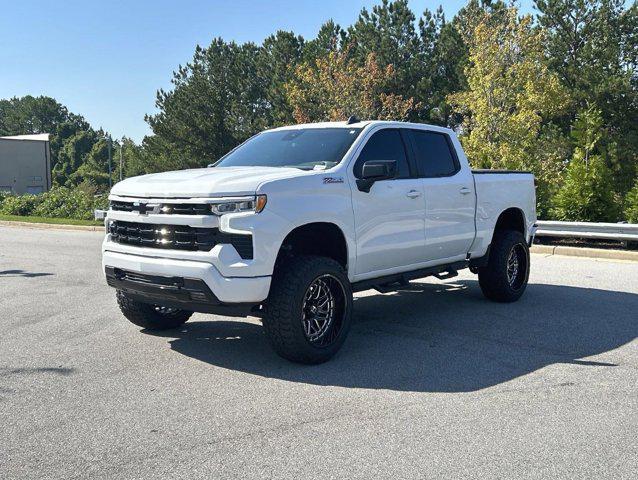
(244, 204)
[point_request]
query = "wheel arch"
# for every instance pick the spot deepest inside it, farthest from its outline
(316, 238)
(512, 218)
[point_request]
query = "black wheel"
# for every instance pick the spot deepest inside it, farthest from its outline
(149, 316)
(308, 311)
(505, 277)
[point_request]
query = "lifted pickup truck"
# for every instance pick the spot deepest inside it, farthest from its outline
(290, 223)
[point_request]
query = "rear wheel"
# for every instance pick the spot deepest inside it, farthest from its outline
(505, 277)
(307, 315)
(150, 316)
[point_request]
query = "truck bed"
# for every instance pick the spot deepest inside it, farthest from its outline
(496, 191)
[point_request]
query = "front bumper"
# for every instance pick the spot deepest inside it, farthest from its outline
(177, 279)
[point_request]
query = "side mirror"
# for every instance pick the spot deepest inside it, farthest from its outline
(375, 170)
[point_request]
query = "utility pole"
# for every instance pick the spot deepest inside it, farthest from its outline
(122, 141)
(109, 145)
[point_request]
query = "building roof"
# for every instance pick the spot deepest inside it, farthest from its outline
(38, 137)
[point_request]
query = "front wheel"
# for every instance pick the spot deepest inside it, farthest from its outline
(308, 311)
(150, 316)
(505, 277)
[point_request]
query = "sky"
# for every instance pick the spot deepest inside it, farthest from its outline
(106, 60)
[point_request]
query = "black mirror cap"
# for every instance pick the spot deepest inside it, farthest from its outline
(379, 169)
(375, 170)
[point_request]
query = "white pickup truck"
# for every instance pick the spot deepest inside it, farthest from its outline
(290, 223)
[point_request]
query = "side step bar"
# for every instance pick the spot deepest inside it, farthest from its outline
(390, 283)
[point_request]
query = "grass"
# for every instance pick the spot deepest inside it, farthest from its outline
(56, 221)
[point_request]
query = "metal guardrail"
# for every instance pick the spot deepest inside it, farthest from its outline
(623, 232)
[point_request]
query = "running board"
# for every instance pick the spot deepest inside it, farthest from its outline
(390, 283)
(445, 275)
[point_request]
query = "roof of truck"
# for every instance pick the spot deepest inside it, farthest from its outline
(363, 124)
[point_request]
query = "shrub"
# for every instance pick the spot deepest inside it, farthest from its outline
(59, 202)
(20, 205)
(631, 204)
(101, 201)
(3, 194)
(62, 202)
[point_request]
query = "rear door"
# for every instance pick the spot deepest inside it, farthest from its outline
(390, 218)
(450, 198)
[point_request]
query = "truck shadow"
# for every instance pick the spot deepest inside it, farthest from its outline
(22, 273)
(437, 338)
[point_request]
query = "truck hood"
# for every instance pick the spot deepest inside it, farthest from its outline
(202, 182)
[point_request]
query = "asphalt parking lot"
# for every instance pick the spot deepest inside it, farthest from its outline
(434, 381)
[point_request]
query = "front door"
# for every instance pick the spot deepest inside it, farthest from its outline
(390, 218)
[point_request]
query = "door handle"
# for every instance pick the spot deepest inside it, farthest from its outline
(465, 191)
(413, 194)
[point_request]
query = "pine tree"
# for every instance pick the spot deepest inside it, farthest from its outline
(593, 47)
(587, 194)
(218, 100)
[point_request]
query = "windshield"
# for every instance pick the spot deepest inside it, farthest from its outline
(306, 148)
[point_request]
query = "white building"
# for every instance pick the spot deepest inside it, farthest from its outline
(25, 163)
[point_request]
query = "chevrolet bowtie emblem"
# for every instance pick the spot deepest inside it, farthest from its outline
(146, 208)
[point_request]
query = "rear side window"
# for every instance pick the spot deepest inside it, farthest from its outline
(434, 156)
(384, 145)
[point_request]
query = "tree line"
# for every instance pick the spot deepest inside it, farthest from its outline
(555, 92)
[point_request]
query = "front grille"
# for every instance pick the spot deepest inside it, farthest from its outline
(178, 237)
(164, 208)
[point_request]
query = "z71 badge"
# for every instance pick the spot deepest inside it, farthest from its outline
(332, 179)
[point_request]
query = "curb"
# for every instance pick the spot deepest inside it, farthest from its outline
(585, 252)
(52, 226)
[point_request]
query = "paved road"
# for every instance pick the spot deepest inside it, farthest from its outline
(433, 382)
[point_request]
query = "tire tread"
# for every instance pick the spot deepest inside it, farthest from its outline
(279, 320)
(144, 315)
(493, 278)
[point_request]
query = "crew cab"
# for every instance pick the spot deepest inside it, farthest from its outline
(290, 223)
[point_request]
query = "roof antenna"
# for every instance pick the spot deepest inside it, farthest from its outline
(352, 119)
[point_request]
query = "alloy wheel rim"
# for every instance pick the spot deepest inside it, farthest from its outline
(322, 310)
(516, 265)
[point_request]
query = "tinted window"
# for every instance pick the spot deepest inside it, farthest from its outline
(433, 155)
(384, 145)
(301, 148)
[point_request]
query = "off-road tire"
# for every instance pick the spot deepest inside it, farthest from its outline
(493, 278)
(148, 316)
(284, 309)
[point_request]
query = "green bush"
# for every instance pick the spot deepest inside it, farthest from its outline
(587, 194)
(59, 202)
(3, 195)
(101, 202)
(20, 205)
(631, 204)
(62, 202)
